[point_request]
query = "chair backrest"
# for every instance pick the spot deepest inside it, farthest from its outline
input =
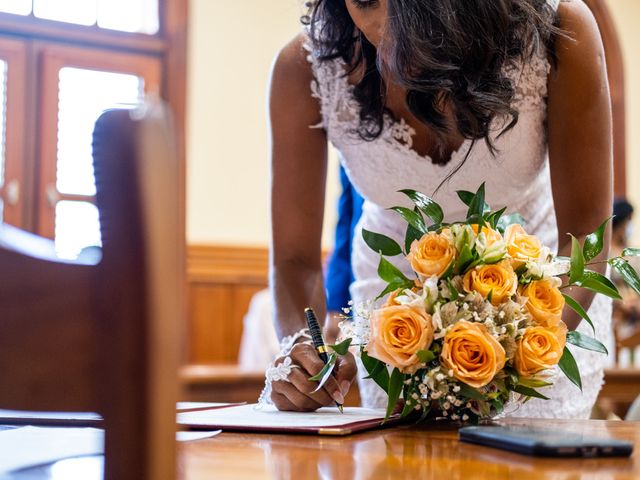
(106, 337)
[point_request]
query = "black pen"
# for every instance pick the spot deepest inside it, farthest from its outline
(318, 342)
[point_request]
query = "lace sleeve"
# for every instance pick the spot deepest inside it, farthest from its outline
(323, 85)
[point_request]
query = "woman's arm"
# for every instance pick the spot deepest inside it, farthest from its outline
(580, 140)
(298, 175)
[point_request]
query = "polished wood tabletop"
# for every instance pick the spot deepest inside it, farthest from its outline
(426, 452)
(431, 451)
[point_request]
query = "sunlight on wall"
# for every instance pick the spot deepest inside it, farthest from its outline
(231, 47)
(626, 14)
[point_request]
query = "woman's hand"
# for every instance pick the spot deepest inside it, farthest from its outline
(296, 393)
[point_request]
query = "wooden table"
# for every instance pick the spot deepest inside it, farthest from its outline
(428, 452)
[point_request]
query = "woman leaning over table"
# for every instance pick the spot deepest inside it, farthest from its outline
(435, 96)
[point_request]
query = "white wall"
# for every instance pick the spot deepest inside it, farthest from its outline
(231, 46)
(626, 15)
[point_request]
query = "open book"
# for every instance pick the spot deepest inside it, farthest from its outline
(229, 417)
(266, 418)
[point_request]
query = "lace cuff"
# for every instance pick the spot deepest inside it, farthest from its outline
(281, 371)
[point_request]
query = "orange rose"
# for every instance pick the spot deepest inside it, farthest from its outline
(544, 302)
(493, 236)
(398, 333)
(472, 353)
(498, 279)
(432, 254)
(521, 246)
(540, 348)
(391, 300)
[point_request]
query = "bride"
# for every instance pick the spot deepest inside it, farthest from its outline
(435, 96)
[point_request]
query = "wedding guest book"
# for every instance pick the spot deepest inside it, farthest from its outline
(266, 418)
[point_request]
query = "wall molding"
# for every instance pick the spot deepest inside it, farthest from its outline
(221, 281)
(227, 264)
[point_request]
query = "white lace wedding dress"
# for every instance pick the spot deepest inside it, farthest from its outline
(517, 177)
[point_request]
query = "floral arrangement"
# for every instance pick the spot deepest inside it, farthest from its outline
(480, 324)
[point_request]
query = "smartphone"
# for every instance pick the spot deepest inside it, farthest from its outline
(544, 442)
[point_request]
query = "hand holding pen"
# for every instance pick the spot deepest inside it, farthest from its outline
(318, 343)
(297, 393)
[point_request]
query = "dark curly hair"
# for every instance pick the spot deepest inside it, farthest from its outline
(444, 52)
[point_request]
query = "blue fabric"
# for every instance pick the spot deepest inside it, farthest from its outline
(339, 272)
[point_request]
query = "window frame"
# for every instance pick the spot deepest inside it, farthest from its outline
(14, 53)
(168, 46)
(52, 59)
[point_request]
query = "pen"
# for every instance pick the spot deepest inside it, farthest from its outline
(318, 342)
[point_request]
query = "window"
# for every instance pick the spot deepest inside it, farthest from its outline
(65, 63)
(19, 7)
(125, 15)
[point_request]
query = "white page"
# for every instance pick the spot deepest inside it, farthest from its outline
(49, 415)
(29, 446)
(269, 416)
(83, 416)
(192, 405)
(191, 436)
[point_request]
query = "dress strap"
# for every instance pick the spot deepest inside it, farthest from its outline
(554, 4)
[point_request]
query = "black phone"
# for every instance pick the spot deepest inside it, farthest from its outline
(544, 442)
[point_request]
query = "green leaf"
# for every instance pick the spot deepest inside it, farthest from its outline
(510, 219)
(414, 219)
(411, 235)
(425, 356)
(464, 259)
(469, 392)
(381, 243)
(396, 382)
(584, 341)
(341, 348)
(391, 287)
(390, 273)
(576, 307)
(493, 218)
(627, 272)
(407, 409)
(428, 206)
(577, 261)
(600, 278)
(594, 242)
(570, 368)
(477, 205)
(533, 383)
(593, 283)
(631, 252)
(529, 392)
(465, 196)
(477, 219)
(376, 369)
(323, 375)
(498, 405)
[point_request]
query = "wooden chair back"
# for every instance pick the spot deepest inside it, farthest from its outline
(106, 337)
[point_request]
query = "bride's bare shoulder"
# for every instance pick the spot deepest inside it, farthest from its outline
(291, 63)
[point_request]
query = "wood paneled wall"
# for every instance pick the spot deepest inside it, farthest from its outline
(222, 280)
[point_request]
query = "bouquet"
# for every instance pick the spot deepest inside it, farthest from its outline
(479, 324)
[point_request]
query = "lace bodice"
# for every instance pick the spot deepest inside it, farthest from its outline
(517, 176)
